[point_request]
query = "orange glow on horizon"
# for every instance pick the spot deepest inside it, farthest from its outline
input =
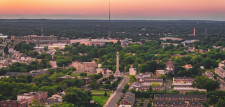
(125, 8)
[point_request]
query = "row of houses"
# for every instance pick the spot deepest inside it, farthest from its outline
(13, 57)
(184, 84)
(178, 100)
(181, 84)
(128, 100)
(53, 41)
(168, 100)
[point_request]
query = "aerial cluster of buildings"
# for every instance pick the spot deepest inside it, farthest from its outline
(14, 56)
(144, 81)
(184, 84)
(25, 100)
(178, 100)
(89, 67)
(53, 42)
(35, 39)
(55, 99)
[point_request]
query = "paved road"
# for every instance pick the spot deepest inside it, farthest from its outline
(116, 95)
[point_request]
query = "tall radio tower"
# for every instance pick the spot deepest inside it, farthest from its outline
(109, 23)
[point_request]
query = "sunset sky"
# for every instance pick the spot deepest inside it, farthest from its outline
(120, 9)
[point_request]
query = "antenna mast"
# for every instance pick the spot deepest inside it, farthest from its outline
(109, 23)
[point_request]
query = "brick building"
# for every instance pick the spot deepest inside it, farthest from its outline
(29, 97)
(85, 66)
(128, 100)
(35, 39)
(13, 103)
(178, 100)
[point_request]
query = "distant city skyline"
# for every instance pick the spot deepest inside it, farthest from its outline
(120, 9)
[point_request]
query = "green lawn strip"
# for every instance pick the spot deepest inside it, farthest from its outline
(100, 92)
(75, 75)
(101, 100)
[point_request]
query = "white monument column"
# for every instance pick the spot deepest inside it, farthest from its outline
(117, 73)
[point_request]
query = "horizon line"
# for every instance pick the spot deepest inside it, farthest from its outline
(111, 19)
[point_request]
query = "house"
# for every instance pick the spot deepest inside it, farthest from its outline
(178, 100)
(221, 64)
(29, 97)
(56, 98)
(209, 74)
(187, 66)
(182, 81)
(186, 42)
(184, 84)
(160, 72)
(128, 100)
(85, 66)
(147, 81)
(137, 86)
(132, 71)
(53, 64)
(13, 103)
(104, 71)
(169, 66)
(191, 49)
(143, 75)
(220, 72)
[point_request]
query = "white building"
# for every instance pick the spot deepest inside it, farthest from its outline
(132, 71)
(160, 72)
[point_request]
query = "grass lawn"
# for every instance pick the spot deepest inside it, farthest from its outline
(75, 75)
(101, 100)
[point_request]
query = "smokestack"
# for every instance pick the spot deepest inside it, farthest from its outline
(194, 32)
